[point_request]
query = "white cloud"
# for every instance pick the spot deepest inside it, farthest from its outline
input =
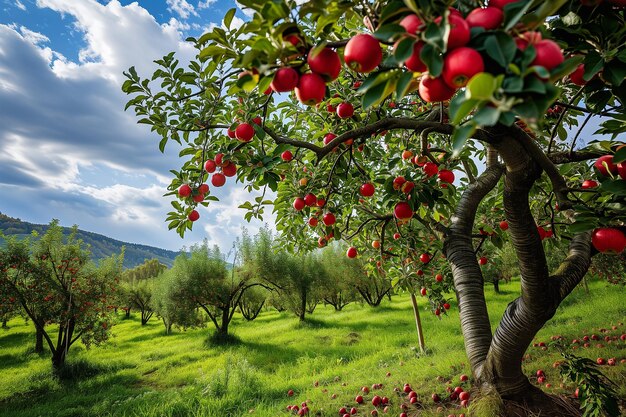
(20, 5)
(205, 4)
(94, 166)
(33, 37)
(181, 8)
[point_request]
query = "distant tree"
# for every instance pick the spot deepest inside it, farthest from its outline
(252, 302)
(137, 287)
(340, 272)
(296, 278)
(202, 280)
(58, 284)
(9, 306)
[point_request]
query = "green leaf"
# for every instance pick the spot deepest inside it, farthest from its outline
(614, 186)
(210, 51)
(460, 108)
(404, 49)
(501, 48)
(374, 95)
(389, 32)
(228, 18)
(620, 156)
(403, 84)
(460, 136)
(486, 116)
(481, 86)
(432, 59)
(579, 227)
(513, 12)
(614, 72)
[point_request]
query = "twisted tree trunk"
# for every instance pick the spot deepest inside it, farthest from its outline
(496, 359)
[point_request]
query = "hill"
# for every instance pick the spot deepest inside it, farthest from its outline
(101, 246)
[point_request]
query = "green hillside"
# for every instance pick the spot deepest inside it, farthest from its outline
(101, 246)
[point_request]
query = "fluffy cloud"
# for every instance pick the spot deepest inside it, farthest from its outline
(181, 8)
(67, 148)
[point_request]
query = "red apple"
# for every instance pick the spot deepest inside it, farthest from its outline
(203, 188)
(439, 278)
(430, 169)
(398, 182)
(218, 179)
(198, 197)
(325, 63)
(459, 31)
(434, 89)
(359, 399)
(299, 203)
(290, 393)
(377, 400)
(411, 24)
(184, 191)
(460, 65)
(363, 53)
(285, 79)
(229, 169)
(608, 240)
(504, 225)
(464, 378)
(311, 89)
(402, 210)
(193, 216)
(423, 291)
(435, 398)
(500, 3)
(482, 260)
(414, 62)
(600, 167)
(329, 219)
(577, 76)
(345, 110)
(446, 176)
(601, 361)
(587, 184)
(527, 38)
(219, 160)
(397, 236)
(210, 166)
(425, 258)
(352, 252)
(286, 156)
(244, 132)
(367, 189)
(310, 199)
(313, 221)
(464, 396)
(230, 133)
(621, 170)
(488, 18)
(549, 54)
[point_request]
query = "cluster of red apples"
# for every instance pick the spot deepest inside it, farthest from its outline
(607, 239)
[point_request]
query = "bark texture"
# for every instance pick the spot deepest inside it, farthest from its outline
(496, 359)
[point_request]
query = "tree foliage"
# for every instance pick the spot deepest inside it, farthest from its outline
(432, 137)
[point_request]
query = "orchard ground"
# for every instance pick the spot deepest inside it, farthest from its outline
(142, 372)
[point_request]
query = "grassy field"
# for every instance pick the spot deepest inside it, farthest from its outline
(142, 372)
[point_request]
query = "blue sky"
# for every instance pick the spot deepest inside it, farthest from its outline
(67, 148)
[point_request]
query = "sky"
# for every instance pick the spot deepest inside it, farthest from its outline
(67, 148)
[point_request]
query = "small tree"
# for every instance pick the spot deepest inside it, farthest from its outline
(338, 288)
(58, 284)
(137, 287)
(202, 280)
(252, 302)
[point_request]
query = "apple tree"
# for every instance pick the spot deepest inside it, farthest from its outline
(360, 120)
(56, 283)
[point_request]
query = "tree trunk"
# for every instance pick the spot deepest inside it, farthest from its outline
(4, 324)
(418, 324)
(128, 313)
(58, 359)
(496, 285)
(38, 340)
(302, 311)
(225, 322)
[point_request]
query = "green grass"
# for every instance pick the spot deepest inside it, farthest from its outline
(142, 372)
